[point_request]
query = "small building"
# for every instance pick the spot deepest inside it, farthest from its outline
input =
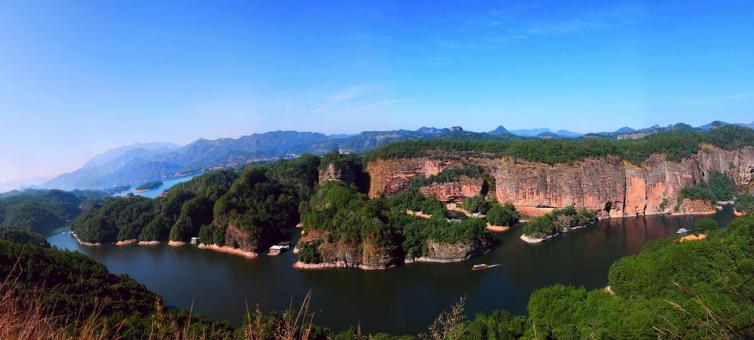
(276, 250)
(194, 240)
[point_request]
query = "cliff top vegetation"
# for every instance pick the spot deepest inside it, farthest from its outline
(676, 144)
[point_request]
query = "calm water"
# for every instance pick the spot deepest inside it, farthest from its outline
(166, 184)
(401, 300)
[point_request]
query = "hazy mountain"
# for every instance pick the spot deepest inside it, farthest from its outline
(500, 130)
(137, 164)
(712, 125)
(529, 132)
(130, 151)
(568, 134)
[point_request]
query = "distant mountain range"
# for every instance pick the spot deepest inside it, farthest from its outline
(139, 163)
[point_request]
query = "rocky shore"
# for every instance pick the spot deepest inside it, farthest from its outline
(125, 242)
(497, 228)
(228, 250)
(336, 265)
(76, 237)
(535, 240)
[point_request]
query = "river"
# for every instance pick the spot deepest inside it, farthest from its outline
(401, 300)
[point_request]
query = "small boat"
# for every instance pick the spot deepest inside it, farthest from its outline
(682, 231)
(480, 266)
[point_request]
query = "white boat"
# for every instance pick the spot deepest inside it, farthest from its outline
(682, 231)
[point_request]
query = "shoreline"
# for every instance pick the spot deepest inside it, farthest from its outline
(76, 237)
(696, 213)
(125, 242)
(148, 243)
(536, 240)
(176, 243)
(228, 250)
(497, 228)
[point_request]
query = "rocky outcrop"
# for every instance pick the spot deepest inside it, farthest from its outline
(695, 207)
(334, 173)
(452, 252)
(369, 256)
(392, 175)
(454, 191)
(237, 238)
(610, 186)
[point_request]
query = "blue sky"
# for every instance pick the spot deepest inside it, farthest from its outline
(78, 78)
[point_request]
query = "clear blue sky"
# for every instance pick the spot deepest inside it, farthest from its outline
(81, 77)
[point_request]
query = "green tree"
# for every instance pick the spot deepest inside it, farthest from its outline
(705, 224)
(502, 215)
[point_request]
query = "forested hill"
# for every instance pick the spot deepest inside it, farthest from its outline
(676, 144)
(42, 210)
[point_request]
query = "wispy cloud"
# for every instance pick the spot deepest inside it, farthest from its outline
(564, 27)
(383, 103)
(499, 26)
(343, 95)
(721, 99)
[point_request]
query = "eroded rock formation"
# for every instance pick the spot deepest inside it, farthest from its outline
(454, 191)
(611, 186)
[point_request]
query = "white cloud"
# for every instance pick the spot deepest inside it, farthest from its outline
(343, 95)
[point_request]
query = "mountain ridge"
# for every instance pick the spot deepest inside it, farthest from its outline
(142, 162)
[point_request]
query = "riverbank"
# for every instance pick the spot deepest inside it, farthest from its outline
(125, 242)
(497, 228)
(336, 265)
(83, 243)
(535, 240)
(228, 250)
(343, 265)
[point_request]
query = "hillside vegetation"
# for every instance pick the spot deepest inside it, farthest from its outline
(677, 144)
(256, 205)
(42, 210)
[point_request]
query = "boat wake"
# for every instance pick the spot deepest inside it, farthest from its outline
(494, 265)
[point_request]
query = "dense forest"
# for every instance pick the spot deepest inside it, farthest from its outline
(345, 216)
(670, 289)
(42, 210)
(249, 208)
(719, 187)
(676, 144)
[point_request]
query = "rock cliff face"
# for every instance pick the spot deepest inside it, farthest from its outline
(452, 252)
(237, 238)
(393, 175)
(334, 173)
(611, 186)
(454, 191)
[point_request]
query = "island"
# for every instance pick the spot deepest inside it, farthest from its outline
(148, 186)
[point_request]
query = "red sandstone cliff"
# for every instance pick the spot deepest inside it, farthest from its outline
(610, 186)
(454, 191)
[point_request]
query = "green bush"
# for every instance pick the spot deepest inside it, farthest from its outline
(745, 203)
(705, 224)
(309, 253)
(477, 204)
(502, 215)
(540, 226)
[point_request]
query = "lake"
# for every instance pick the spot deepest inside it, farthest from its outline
(166, 184)
(401, 300)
